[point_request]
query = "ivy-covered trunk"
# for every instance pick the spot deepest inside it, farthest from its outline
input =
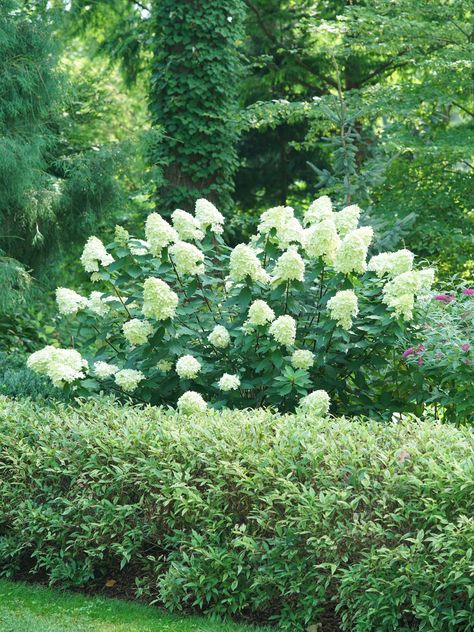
(194, 100)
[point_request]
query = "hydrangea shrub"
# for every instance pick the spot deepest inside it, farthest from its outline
(298, 313)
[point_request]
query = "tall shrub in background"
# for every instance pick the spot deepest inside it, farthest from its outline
(194, 99)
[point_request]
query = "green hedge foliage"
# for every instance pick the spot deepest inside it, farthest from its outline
(284, 519)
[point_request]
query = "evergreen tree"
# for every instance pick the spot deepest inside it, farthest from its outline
(28, 90)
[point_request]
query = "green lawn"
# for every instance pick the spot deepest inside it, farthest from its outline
(27, 608)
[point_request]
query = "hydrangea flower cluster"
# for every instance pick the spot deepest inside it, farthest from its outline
(219, 337)
(191, 403)
(302, 359)
(69, 302)
(137, 331)
(187, 258)
(322, 240)
(245, 263)
(343, 307)
(159, 233)
(400, 292)
(229, 382)
(351, 256)
(62, 366)
(316, 403)
(209, 217)
(187, 367)
(287, 296)
(260, 313)
(289, 267)
(282, 221)
(187, 226)
(95, 254)
(283, 330)
(159, 300)
(391, 263)
(104, 370)
(129, 379)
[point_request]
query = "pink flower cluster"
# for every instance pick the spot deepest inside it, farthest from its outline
(447, 298)
(418, 351)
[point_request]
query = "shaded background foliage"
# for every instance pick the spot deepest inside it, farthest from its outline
(119, 107)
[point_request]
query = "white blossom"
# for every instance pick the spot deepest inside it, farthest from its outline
(302, 359)
(245, 263)
(343, 307)
(260, 313)
(187, 367)
(347, 220)
(319, 210)
(187, 226)
(229, 382)
(188, 259)
(137, 331)
(128, 379)
(94, 253)
(208, 216)
(159, 233)
(190, 403)
(219, 337)
(104, 370)
(289, 267)
(159, 300)
(322, 240)
(316, 403)
(283, 330)
(62, 366)
(69, 302)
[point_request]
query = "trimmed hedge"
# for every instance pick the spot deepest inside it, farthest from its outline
(283, 519)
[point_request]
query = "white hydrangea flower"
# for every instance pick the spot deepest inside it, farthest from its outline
(69, 302)
(94, 253)
(352, 254)
(62, 366)
(289, 267)
(316, 403)
(164, 366)
(347, 220)
(97, 304)
(282, 219)
(399, 293)
(208, 216)
(128, 379)
(141, 247)
(187, 226)
(190, 403)
(188, 259)
(121, 235)
(187, 367)
(137, 331)
(302, 359)
(322, 240)
(391, 263)
(159, 300)
(283, 330)
(229, 382)
(343, 307)
(319, 210)
(159, 233)
(245, 263)
(104, 370)
(219, 337)
(260, 313)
